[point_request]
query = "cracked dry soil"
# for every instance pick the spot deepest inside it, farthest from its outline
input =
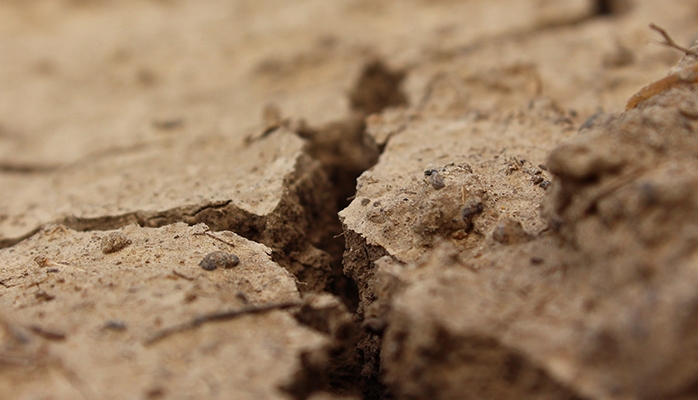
(350, 199)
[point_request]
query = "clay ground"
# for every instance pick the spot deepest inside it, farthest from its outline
(348, 199)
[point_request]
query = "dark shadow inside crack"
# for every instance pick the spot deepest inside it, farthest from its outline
(304, 230)
(345, 151)
(604, 8)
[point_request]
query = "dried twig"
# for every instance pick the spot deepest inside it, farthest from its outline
(687, 73)
(217, 316)
(669, 42)
(181, 275)
(212, 236)
(47, 333)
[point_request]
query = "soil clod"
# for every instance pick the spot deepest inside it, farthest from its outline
(219, 259)
(114, 242)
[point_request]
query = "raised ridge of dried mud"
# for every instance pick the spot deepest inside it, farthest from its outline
(589, 296)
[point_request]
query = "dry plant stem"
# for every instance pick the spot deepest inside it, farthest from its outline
(660, 86)
(211, 235)
(217, 316)
(669, 42)
(670, 81)
(47, 334)
(181, 275)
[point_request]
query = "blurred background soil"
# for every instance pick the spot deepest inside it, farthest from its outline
(507, 236)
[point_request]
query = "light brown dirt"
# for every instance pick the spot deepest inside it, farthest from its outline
(512, 233)
(84, 307)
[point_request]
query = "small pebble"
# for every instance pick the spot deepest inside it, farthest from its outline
(114, 325)
(43, 295)
(472, 208)
(219, 259)
(114, 242)
(42, 261)
(436, 180)
(168, 124)
(509, 231)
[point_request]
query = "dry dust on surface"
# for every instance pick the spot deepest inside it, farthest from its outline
(351, 199)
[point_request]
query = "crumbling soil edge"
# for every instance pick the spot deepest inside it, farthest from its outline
(346, 151)
(303, 231)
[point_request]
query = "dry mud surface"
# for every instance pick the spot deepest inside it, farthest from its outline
(350, 199)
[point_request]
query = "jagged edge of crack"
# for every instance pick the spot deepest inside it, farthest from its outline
(336, 146)
(337, 366)
(285, 229)
(303, 217)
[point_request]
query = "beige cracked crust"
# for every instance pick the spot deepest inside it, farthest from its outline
(186, 177)
(71, 310)
(512, 234)
(600, 306)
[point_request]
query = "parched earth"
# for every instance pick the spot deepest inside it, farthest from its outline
(351, 199)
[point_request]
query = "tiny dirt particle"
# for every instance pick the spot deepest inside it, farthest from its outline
(544, 184)
(242, 297)
(219, 259)
(459, 235)
(509, 231)
(436, 181)
(155, 393)
(374, 325)
(42, 261)
(537, 179)
(114, 325)
(364, 202)
(471, 209)
(649, 195)
(114, 242)
(168, 124)
(466, 167)
(43, 295)
(591, 121)
(190, 297)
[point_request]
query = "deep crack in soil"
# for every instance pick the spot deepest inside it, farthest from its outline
(346, 151)
(471, 260)
(304, 232)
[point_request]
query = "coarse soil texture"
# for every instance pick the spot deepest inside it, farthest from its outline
(355, 199)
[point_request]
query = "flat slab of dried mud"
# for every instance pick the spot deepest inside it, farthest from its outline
(86, 301)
